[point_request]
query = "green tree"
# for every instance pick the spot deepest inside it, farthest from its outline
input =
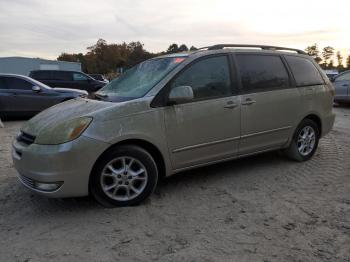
(183, 48)
(314, 52)
(173, 48)
(339, 60)
(193, 48)
(327, 53)
(137, 54)
(348, 62)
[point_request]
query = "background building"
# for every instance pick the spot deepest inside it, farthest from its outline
(23, 65)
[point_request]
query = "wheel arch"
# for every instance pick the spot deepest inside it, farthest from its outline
(149, 147)
(317, 120)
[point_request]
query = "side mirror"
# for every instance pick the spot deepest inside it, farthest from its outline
(180, 94)
(36, 89)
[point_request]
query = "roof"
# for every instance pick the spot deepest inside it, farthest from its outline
(229, 48)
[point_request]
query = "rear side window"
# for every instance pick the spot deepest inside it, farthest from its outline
(3, 84)
(209, 78)
(262, 72)
(40, 75)
(15, 83)
(304, 71)
(61, 75)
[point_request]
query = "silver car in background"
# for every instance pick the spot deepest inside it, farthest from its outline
(173, 113)
(341, 83)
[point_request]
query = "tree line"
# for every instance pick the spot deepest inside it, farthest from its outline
(104, 58)
(327, 57)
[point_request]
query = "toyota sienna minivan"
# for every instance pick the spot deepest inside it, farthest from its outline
(172, 113)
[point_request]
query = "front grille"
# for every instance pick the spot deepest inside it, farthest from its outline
(26, 138)
(27, 181)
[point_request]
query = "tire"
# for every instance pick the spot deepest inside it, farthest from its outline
(296, 151)
(117, 178)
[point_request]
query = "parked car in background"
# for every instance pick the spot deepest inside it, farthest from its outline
(99, 77)
(67, 79)
(176, 112)
(22, 96)
(331, 73)
(342, 87)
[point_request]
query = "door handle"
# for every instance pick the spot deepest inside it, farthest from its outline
(230, 105)
(248, 102)
(345, 85)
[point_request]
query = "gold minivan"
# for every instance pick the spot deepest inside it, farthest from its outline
(172, 113)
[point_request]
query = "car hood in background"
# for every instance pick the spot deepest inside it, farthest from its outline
(62, 112)
(70, 90)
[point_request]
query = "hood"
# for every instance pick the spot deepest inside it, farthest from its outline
(70, 90)
(62, 112)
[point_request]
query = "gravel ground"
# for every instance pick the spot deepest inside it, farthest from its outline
(262, 208)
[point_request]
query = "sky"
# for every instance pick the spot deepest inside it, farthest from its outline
(46, 28)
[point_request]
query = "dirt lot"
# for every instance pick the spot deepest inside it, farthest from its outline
(262, 208)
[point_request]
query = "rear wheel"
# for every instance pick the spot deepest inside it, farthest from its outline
(305, 141)
(126, 175)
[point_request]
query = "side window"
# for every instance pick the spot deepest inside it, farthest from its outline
(17, 83)
(343, 77)
(304, 71)
(79, 77)
(209, 78)
(262, 72)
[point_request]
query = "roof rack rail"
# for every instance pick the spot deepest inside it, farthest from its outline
(263, 47)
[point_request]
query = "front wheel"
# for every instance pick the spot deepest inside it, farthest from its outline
(124, 176)
(305, 141)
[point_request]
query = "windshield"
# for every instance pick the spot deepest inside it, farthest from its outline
(137, 81)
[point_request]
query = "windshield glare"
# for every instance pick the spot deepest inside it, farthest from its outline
(138, 80)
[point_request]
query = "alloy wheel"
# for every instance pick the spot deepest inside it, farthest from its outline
(306, 140)
(123, 178)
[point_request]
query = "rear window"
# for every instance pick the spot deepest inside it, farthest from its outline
(304, 71)
(262, 72)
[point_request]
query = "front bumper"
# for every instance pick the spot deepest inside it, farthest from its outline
(68, 164)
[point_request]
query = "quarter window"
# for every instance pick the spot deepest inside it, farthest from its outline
(262, 72)
(304, 71)
(209, 78)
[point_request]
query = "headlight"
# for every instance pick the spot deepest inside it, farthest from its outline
(64, 132)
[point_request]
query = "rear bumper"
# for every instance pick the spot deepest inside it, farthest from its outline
(68, 164)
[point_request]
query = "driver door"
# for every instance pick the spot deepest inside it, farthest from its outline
(206, 129)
